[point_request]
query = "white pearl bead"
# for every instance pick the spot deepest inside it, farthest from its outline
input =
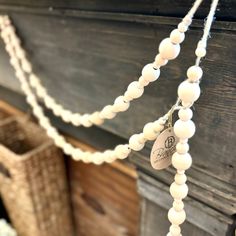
(134, 143)
(36, 110)
(184, 129)
(134, 90)
(187, 20)
(120, 104)
(6, 20)
(97, 158)
(142, 82)
(9, 48)
(182, 148)
(159, 61)
(108, 112)
(26, 66)
(66, 114)
(149, 73)
(75, 119)
(20, 53)
(85, 120)
(31, 98)
(15, 41)
(168, 50)
(127, 97)
(9, 29)
(68, 149)
(96, 119)
(176, 36)
(41, 92)
(122, 151)
(34, 80)
(185, 114)
(201, 44)
(157, 126)
(181, 161)
(180, 178)
(14, 61)
(52, 132)
(182, 27)
(189, 92)
(109, 156)
(77, 154)
(178, 191)
(49, 101)
(58, 110)
(60, 141)
(175, 230)
(162, 121)
(148, 131)
(19, 74)
(4, 34)
(194, 73)
(178, 205)
(86, 157)
(200, 52)
(176, 217)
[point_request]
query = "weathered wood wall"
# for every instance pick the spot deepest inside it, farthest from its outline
(87, 52)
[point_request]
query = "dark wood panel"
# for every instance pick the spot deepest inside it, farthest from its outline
(226, 9)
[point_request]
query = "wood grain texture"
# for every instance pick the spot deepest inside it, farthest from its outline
(104, 200)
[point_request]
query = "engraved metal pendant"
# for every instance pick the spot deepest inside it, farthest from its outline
(163, 149)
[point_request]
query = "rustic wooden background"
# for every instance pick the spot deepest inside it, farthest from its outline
(87, 52)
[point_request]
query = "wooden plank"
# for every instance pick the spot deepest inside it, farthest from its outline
(104, 200)
(164, 8)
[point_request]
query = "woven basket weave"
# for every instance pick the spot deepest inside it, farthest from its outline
(3, 114)
(33, 180)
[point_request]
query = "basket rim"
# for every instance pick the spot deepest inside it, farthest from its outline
(46, 143)
(26, 155)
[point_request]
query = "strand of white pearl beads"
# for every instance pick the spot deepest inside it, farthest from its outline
(120, 151)
(169, 49)
(184, 128)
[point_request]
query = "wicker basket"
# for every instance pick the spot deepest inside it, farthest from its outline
(33, 181)
(3, 114)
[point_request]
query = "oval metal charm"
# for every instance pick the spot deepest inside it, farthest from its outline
(163, 149)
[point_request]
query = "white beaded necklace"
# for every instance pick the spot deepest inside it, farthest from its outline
(169, 49)
(184, 128)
